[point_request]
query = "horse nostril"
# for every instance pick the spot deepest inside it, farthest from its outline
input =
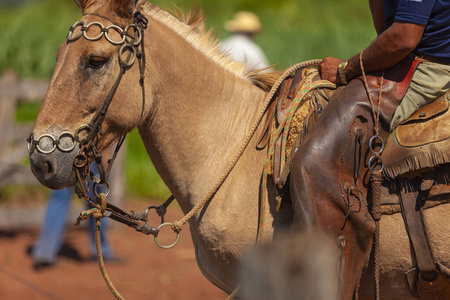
(48, 169)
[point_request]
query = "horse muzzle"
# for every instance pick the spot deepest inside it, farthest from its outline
(51, 159)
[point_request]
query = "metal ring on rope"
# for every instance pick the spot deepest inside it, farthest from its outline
(169, 246)
(97, 185)
(371, 144)
(373, 163)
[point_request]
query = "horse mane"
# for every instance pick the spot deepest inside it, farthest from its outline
(192, 27)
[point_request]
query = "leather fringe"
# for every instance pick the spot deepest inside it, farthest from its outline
(425, 159)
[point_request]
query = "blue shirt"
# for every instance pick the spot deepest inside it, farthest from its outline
(435, 14)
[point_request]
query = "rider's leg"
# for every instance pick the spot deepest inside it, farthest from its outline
(430, 81)
(323, 187)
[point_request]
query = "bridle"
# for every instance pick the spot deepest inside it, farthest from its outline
(132, 42)
(131, 39)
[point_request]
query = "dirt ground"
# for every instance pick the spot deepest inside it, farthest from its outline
(147, 272)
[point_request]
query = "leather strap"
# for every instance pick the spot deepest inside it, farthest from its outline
(413, 217)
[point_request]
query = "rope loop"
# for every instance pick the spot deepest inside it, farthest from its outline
(171, 245)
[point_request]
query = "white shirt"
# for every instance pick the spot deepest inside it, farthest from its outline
(242, 49)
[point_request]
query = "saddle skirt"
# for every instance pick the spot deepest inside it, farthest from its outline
(420, 142)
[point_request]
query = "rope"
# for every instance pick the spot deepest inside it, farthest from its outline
(177, 226)
(101, 263)
(97, 214)
(376, 177)
(376, 113)
(375, 182)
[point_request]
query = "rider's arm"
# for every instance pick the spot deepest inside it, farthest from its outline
(389, 48)
(377, 10)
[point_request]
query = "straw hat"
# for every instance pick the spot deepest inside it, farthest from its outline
(244, 21)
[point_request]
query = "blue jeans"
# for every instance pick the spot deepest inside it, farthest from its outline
(54, 227)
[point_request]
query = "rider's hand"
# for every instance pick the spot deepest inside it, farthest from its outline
(328, 69)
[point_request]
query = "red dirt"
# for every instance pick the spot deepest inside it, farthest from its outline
(148, 272)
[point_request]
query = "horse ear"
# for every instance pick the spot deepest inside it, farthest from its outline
(124, 8)
(82, 4)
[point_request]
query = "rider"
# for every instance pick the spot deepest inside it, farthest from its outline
(405, 27)
(329, 179)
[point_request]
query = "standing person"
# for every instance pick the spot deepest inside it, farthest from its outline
(241, 46)
(325, 188)
(47, 246)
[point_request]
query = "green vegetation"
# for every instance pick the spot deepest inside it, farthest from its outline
(294, 31)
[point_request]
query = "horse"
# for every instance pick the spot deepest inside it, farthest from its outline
(194, 108)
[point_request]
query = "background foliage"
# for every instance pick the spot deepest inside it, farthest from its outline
(294, 31)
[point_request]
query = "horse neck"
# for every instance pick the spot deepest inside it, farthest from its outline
(200, 117)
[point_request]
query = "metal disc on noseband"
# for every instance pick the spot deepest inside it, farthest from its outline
(60, 144)
(47, 143)
(30, 143)
(43, 139)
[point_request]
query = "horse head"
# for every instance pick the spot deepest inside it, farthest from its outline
(81, 110)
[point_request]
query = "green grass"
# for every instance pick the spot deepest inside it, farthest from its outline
(293, 31)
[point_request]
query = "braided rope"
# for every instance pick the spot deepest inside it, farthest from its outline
(177, 226)
(376, 177)
(97, 214)
(101, 263)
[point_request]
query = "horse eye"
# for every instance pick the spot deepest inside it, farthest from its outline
(96, 62)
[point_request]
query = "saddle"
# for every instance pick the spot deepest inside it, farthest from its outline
(420, 142)
(306, 113)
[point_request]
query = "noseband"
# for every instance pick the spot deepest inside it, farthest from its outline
(131, 39)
